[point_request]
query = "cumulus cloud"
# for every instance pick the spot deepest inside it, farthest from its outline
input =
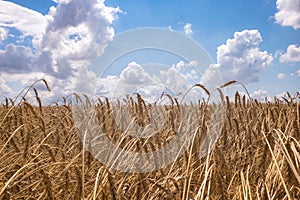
(239, 59)
(16, 59)
(174, 81)
(259, 95)
(281, 75)
(134, 74)
(60, 40)
(106, 86)
(288, 13)
(292, 54)
(21, 59)
(135, 79)
(76, 27)
(186, 70)
(68, 32)
(152, 92)
(188, 29)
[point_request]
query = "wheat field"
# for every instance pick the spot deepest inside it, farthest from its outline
(257, 155)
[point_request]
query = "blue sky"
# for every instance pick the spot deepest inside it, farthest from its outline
(233, 32)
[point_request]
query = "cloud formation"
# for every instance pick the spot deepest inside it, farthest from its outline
(292, 54)
(58, 42)
(134, 74)
(188, 29)
(3, 34)
(281, 75)
(27, 21)
(77, 27)
(4, 89)
(16, 59)
(288, 13)
(259, 95)
(136, 79)
(239, 59)
(68, 32)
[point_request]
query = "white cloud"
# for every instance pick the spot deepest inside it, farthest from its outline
(151, 92)
(106, 86)
(4, 88)
(134, 74)
(283, 94)
(77, 27)
(186, 70)
(292, 54)
(85, 82)
(239, 59)
(3, 34)
(188, 29)
(288, 13)
(29, 22)
(286, 95)
(259, 95)
(68, 32)
(60, 40)
(134, 78)
(18, 81)
(179, 66)
(281, 76)
(175, 81)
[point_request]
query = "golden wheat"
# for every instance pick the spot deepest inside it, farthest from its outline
(256, 157)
